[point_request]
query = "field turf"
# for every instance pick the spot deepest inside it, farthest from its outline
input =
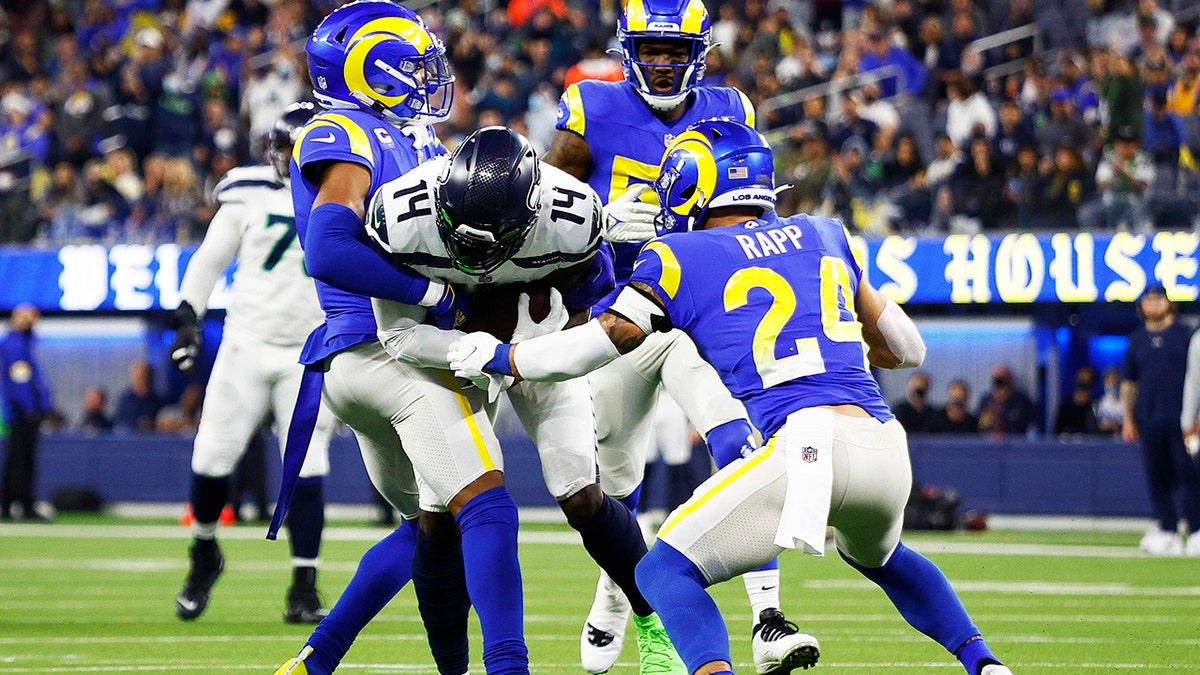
(95, 595)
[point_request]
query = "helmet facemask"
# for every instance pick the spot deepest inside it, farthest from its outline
(646, 56)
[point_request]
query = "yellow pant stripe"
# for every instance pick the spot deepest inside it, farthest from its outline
(693, 504)
(465, 406)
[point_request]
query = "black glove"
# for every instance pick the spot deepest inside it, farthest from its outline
(186, 346)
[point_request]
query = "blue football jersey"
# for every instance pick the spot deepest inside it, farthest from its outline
(359, 137)
(627, 141)
(770, 304)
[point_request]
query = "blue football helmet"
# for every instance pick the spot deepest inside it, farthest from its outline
(380, 56)
(283, 135)
(682, 21)
(713, 163)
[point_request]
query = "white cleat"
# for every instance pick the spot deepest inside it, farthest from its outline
(1193, 545)
(995, 669)
(779, 647)
(604, 632)
(1161, 543)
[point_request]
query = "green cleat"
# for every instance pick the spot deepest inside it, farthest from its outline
(656, 654)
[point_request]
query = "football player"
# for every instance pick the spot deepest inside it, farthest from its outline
(612, 135)
(273, 310)
(449, 220)
(383, 78)
(781, 309)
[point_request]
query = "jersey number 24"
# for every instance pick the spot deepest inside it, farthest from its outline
(835, 298)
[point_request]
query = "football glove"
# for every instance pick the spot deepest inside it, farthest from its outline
(527, 328)
(628, 218)
(186, 347)
(469, 357)
(599, 281)
(450, 310)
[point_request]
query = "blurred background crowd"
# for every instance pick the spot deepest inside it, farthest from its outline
(118, 116)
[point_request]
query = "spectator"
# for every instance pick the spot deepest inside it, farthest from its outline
(1005, 410)
(880, 53)
(182, 417)
(944, 163)
(852, 125)
(24, 145)
(139, 404)
(1152, 393)
(26, 402)
(1064, 127)
(95, 411)
(879, 112)
(806, 164)
(1084, 97)
(1064, 185)
(977, 189)
(903, 177)
(1122, 178)
(956, 417)
(914, 412)
(1121, 89)
(1109, 411)
(1182, 97)
(1015, 132)
(1077, 415)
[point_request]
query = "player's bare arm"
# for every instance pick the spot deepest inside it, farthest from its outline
(892, 338)
(344, 183)
(570, 152)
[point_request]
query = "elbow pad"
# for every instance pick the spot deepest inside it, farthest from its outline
(564, 355)
(901, 335)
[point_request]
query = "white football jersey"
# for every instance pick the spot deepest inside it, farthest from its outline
(403, 221)
(274, 298)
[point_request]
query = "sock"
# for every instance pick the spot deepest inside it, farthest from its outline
(208, 497)
(726, 441)
(488, 523)
(674, 585)
(631, 500)
(441, 586)
(614, 540)
(384, 569)
(762, 588)
(306, 519)
(923, 595)
(974, 655)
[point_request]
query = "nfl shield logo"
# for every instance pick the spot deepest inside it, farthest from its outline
(809, 454)
(321, 82)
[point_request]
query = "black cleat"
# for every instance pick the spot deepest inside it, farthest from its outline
(303, 602)
(207, 563)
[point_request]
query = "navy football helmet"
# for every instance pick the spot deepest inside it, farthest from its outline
(713, 163)
(283, 135)
(488, 198)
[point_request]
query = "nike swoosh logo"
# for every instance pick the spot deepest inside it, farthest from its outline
(328, 139)
(769, 588)
(189, 605)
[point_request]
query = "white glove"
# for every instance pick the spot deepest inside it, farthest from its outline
(628, 218)
(527, 328)
(469, 355)
(493, 384)
(422, 135)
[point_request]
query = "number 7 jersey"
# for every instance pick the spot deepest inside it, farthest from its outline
(770, 304)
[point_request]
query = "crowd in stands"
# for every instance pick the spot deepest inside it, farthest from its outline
(117, 117)
(1005, 410)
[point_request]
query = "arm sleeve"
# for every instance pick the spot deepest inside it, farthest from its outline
(1191, 385)
(406, 339)
(218, 249)
(564, 355)
(336, 252)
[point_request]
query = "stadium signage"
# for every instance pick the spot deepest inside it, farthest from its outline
(1018, 268)
(1023, 268)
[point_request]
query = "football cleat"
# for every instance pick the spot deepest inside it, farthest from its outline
(303, 602)
(604, 632)
(995, 669)
(207, 563)
(1192, 549)
(779, 647)
(1161, 543)
(295, 665)
(656, 654)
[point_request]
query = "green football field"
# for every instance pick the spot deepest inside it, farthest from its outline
(95, 595)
